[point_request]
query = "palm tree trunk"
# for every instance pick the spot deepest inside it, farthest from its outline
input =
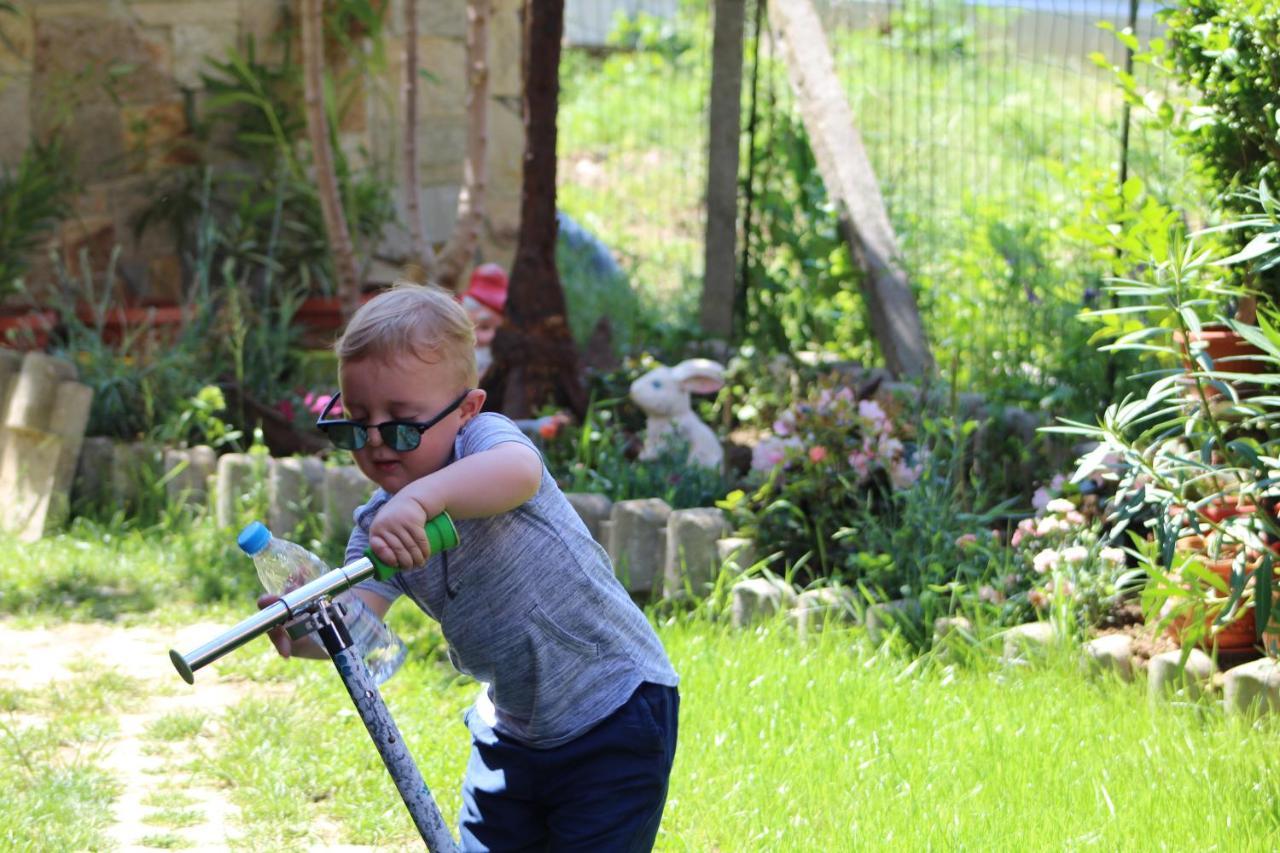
(335, 221)
(535, 359)
(422, 253)
(462, 245)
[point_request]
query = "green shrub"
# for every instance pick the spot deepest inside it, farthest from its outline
(1227, 52)
(34, 197)
(1223, 57)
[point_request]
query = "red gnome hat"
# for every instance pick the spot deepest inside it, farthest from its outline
(488, 286)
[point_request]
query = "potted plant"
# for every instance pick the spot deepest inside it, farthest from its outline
(1197, 459)
(1195, 601)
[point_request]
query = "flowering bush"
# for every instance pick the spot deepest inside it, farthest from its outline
(835, 434)
(827, 458)
(1062, 565)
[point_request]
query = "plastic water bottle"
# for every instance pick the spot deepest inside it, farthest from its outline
(284, 566)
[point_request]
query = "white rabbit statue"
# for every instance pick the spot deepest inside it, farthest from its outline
(663, 394)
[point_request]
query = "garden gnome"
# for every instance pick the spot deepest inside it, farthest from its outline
(663, 394)
(485, 301)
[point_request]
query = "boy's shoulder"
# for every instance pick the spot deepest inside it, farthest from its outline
(486, 430)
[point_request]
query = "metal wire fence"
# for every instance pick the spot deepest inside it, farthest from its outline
(986, 124)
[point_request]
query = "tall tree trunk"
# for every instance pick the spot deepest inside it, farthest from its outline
(466, 234)
(421, 248)
(535, 359)
(724, 134)
(335, 221)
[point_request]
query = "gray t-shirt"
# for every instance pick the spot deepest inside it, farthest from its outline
(528, 603)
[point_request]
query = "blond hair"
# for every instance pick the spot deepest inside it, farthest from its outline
(422, 320)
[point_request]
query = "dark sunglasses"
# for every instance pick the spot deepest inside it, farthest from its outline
(400, 436)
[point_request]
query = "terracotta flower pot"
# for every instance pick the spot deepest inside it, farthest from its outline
(28, 330)
(321, 318)
(1271, 644)
(1239, 636)
(1229, 352)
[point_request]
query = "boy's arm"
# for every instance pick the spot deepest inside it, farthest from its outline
(487, 483)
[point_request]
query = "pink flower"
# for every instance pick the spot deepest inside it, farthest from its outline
(860, 463)
(783, 425)
(285, 408)
(817, 453)
(966, 539)
(997, 535)
(1037, 598)
(1026, 527)
(768, 454)
(1041, 498)
(870, 410)
(990, 594)
(890, 448)
(845, 394)
(903, 476)
(316, 403)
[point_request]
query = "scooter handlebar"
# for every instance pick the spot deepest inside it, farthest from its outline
(441, 536)
(274, 615)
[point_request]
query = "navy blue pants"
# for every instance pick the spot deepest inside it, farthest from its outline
(602, 791)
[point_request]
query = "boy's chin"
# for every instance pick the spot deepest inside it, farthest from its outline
(389, 481)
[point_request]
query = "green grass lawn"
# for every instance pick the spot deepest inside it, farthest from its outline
(817, 746)
(784, 745)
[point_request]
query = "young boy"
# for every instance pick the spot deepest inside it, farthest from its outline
(574, 737)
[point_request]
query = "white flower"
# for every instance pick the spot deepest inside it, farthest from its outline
(1059, 506)
(1115, 556)
(1051, 524)
(1046, 561)
(1075, 554)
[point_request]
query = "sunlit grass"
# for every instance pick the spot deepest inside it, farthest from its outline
(784, 745)
(51, 741)
(817, 746)
(787, 746)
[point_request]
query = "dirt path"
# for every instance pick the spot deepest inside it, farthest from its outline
(146, 776)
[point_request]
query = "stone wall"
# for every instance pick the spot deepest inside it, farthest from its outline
(123, 78)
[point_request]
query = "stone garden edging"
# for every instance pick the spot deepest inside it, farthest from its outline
(656, 552)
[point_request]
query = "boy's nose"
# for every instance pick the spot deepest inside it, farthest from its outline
(373, 437)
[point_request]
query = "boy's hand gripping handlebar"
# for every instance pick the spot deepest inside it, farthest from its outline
(441, 536)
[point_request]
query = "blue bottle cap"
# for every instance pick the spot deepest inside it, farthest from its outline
(253, 538)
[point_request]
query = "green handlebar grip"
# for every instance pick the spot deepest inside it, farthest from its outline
(441, 536)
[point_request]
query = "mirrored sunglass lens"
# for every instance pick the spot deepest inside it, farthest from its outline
(400, 436)
(346, 436)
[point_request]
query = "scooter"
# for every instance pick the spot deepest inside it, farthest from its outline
(311, 607)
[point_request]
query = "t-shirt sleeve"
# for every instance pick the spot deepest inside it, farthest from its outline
(486, 431)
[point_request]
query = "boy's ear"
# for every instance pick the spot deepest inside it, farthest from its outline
(473, 403)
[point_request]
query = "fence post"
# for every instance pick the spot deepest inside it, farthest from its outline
(723, 138)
